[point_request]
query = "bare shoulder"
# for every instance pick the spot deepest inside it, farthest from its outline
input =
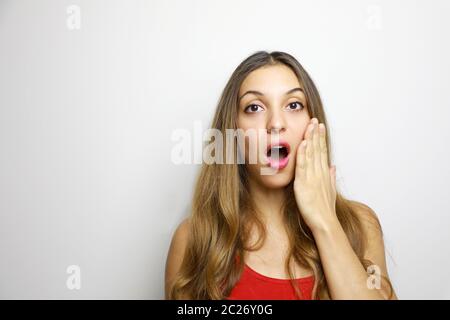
(182, 231)
(176, 253)
(373, 233)
(368, 218)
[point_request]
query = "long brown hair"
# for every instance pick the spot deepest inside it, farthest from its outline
(223, 211)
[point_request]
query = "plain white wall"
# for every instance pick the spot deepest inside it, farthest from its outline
(86, 118)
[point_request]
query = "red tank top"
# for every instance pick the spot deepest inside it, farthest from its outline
(255, 286)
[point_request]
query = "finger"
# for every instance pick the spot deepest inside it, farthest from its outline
(309, 153)
(301, 160)
(323, 148)
(333, 176)
(308, 128)
(316, 147)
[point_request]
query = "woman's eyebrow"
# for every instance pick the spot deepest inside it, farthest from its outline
(261, 94)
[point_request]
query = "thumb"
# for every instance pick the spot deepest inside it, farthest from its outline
(333, 176)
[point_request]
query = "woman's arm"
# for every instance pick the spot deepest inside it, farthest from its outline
(315, 193)
(345, 275)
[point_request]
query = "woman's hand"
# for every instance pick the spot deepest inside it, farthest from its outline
(315, 181)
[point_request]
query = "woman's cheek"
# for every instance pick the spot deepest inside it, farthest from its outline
(251, 149)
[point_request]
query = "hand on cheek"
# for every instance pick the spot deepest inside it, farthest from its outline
(315, 181)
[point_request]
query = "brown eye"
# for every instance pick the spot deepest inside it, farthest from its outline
(294, 106)
(252, 108)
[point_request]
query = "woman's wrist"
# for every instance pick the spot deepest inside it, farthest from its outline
(327, 227)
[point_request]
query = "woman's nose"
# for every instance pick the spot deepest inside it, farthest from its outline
(276, 123)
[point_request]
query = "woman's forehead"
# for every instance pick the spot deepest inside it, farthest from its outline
(270, 80)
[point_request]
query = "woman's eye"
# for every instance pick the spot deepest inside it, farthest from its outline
(252, 108)
(295, 106)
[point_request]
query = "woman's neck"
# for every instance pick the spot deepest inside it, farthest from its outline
(269, 203)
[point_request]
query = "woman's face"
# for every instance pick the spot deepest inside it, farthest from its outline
(273, 104)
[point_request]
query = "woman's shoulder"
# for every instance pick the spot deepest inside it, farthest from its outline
(365, 213)
(179, 238)
(176, 252)
(370, 223)
(183, 227)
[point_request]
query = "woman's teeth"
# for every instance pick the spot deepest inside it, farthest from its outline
(282, 151)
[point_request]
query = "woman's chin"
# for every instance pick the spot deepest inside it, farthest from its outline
(276, 179)
(279, 180)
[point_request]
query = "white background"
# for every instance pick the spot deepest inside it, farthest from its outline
(86, 118)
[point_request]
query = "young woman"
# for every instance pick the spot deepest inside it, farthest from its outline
(286, 235)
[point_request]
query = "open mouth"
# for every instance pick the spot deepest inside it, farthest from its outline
(278, 155)
(281, 150)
